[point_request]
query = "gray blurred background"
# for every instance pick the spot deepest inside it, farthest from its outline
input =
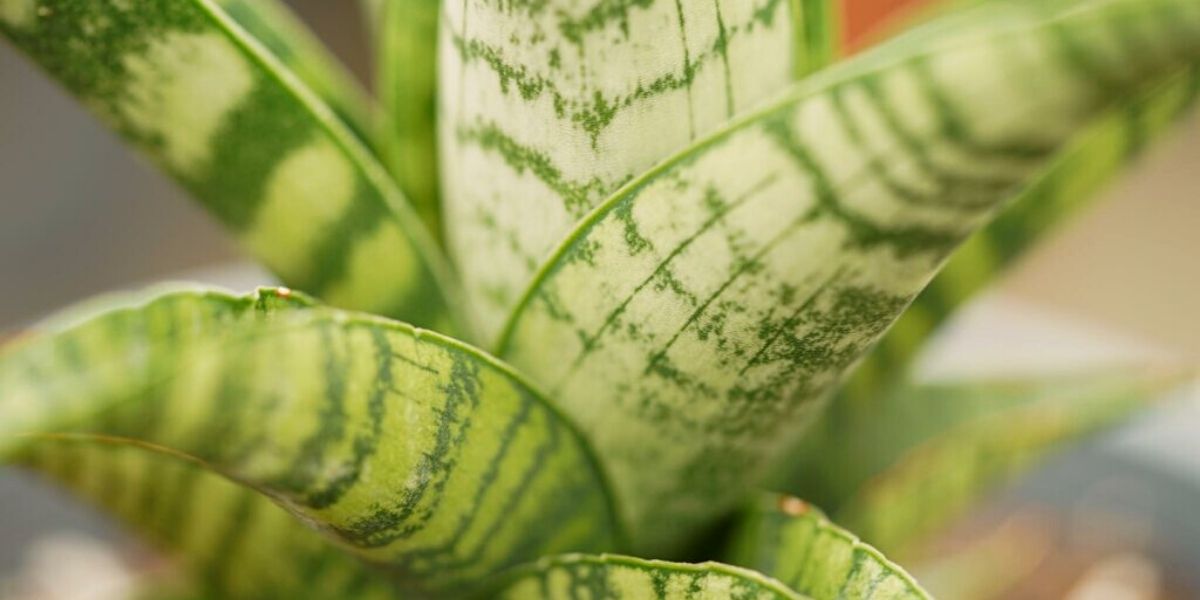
(79, 214)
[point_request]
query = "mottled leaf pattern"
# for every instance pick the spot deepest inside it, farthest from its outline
(418, 454)
(273, 24)
(786, 538)
(547, 107)
(935, 450)
(262, 152)
(406, 38)
(624, 578)
(691, 324)
(1091, 160)
(236, 542)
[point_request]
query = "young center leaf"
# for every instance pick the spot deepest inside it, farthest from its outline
(934, 450)
(612, 577)
(223, 116)
(548, 107)
(1072, 180)
(423, 457)
(406, 72)
(693, 321)
(789, 539)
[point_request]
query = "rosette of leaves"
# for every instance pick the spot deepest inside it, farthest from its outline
(658, 239)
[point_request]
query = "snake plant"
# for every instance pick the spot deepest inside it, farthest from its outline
(677, 254)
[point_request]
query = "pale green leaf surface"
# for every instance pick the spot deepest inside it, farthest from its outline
(277, 28)
(406, 51)
(935, 450)
(612, 577)
(1064, 189)
(231, 541)
(692, 323)
(218, 112)
(548, 107)
(794, 542)
(411, 450)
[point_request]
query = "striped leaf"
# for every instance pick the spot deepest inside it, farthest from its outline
(624, 578)
(275, 26)
(1072, 180)
(789, 539)
(548, 107)
(406, 73)
(935, 450)
(235, 542)
(224, 117)
(692, 323)
(416, 453)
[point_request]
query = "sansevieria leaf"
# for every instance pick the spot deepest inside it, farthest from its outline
(548, 107)
(224, 117)
(611, 577)
(934, 450)
(1073, 179)
(406, 53)
(789, 539)
(420, 455)
(273, 24)
(697, 317)
(231, 541)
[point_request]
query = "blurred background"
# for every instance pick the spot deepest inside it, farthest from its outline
(79, 214)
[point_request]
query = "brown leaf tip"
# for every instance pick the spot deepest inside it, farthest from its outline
(793, 506)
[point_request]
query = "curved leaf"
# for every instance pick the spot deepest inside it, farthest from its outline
(787, 538)
(418, 454)
(722, 295)
(277, 28)
(548, 107)
(219, 113)
(406, 51)
(242, 543)
(626, 578)
(1088, 163)
(935, 450)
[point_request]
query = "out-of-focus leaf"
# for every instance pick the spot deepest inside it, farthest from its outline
(224, 117)
(418, 454)
(693, 322)
(794, 542)
(625, 578)
(406, 51)
(935, 450)
(548, 107)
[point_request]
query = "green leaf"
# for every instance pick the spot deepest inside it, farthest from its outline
(1064, 189)
(276, 27)
(219, 113)
(693, 322)
(548, 107)
(406, 53)
(626, 578)
(420, 455)
(242, 543)
(787, 538)
(933, 451)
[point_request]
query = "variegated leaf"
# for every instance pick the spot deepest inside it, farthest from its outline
(789, 539)
(693, 322)
(221, 114)
(406, 51)
(1090, 161)
(277, 28)
(625, 578)
(235, 542)
(548, 107)
(935, 450)
(420, 455)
